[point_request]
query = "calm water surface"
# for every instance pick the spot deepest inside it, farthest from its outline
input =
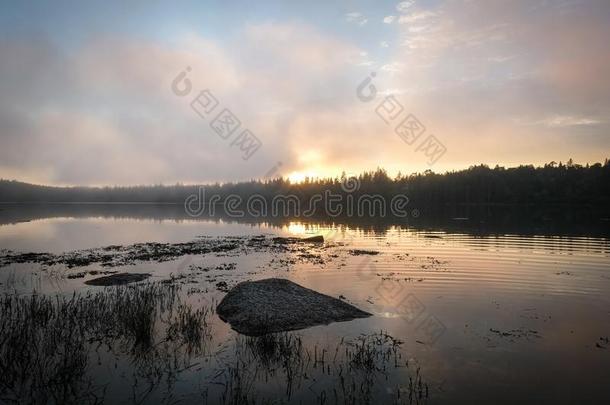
(492, 318)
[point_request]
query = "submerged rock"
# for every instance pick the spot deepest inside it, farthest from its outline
(282, 240)
(359, 252)
(315, 239)
(275, 305)
(118, 279)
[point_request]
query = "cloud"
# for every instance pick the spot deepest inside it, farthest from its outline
(416, 16)
(404, 6)
(566, 121)
(467, 67)
(356, 18)
(393, 67)
(389, 19)
(104, 113)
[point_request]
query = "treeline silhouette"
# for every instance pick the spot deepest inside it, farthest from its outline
(553, 183)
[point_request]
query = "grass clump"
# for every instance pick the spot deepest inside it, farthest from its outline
(47, 343)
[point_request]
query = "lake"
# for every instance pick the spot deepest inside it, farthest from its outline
(478, 311)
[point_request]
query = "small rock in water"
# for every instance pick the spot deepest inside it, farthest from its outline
(359, 252)
(287, 240)
(222, 286)
(118, 279)
(317, 239)
(276, 305)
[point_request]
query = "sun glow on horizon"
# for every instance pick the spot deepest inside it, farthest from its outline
(300, 176)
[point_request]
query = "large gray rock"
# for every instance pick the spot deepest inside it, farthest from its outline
(275, 305)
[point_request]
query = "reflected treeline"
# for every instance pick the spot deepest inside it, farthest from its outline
(559, 219)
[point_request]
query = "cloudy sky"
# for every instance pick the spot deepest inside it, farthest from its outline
(86, 91)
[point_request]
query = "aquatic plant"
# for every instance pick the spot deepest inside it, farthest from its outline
(47, 343)
(190, 327)
(356, 373)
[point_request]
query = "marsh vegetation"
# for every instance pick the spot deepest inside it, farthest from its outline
(50, 347)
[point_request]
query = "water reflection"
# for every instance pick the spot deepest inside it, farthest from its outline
(474, 220)
(522, 304)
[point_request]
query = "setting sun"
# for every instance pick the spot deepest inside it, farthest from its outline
(299, 177)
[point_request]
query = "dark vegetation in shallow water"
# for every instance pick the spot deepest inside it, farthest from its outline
(360, 252)
(111, 256)
(47, 344)
(514, 334)
(117, 255)
(118, 279)
(82, 274)
(354, 371)
(190, 328)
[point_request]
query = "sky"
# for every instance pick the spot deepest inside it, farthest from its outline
(140, 92)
